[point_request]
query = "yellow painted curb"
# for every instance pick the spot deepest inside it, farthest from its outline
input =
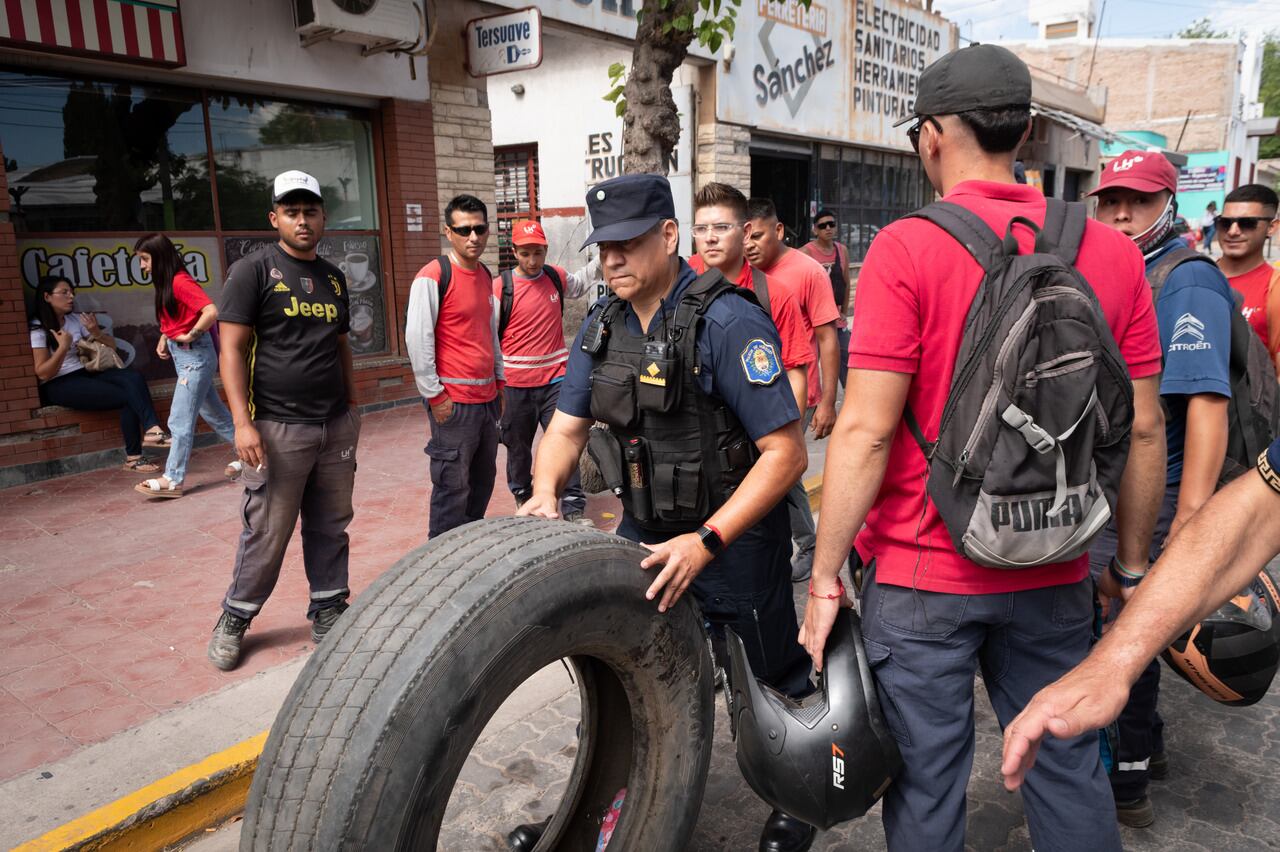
(813, 487)
(171, 809)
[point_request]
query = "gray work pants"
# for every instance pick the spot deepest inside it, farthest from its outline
(310, 470)
(803, 530)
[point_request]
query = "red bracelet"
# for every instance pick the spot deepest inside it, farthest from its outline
(836, 596)
(715, 530)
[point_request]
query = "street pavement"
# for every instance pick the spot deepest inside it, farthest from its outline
(109, 599)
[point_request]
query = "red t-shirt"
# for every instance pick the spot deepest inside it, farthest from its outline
(191, 300)
(913, 296)
(464, 334)
(828, 260)
(533, 349)
(793, 332)
(811, 285)
(1261, 303)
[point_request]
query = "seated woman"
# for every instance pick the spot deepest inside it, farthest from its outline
(55, 329)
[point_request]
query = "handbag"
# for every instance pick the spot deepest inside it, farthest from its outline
(96, 356)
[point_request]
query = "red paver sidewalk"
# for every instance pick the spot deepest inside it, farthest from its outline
(109, 597)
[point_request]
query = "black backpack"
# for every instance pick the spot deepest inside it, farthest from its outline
(509, 294)
(1035, 431)
(446, 276)
(1253, 417)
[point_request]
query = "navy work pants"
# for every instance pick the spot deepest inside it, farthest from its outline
(1140, 729)
(924, 649)
(464, 463)
(524, 411)
(748, 588)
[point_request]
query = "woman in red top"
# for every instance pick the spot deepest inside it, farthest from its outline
(185, 314)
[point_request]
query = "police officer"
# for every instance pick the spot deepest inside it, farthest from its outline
(686, 371)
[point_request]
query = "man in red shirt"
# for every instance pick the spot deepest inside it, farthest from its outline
(806, 278)
(933, 619)
(1248, 219)
(533, 357)
(452, 337)
(833, 257)
(719, 228)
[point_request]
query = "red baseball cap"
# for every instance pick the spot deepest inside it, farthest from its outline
(1142, 171)
(527, 232)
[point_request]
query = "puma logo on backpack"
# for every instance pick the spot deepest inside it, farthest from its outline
(1034, 435)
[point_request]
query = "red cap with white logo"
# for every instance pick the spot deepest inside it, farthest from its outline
(1141, 171)
(527, 232)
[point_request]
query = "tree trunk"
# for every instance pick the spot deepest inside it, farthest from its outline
(652, 125)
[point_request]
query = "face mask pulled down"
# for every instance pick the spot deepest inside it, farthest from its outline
(1150, 240)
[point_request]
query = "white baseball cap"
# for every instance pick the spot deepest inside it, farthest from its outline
(295, 181)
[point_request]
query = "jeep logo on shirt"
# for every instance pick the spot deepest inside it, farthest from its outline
(1029, 515)
(328, 313)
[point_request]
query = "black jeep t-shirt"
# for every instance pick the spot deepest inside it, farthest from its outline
(297, 309)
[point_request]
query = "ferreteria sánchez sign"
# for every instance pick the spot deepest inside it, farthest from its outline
(511, 41)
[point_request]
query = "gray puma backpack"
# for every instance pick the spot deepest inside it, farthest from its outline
(1035, 431)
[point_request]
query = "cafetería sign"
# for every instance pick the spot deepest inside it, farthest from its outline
(511, 41)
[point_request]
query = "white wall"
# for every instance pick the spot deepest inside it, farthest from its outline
(563, 111)
(253, 41)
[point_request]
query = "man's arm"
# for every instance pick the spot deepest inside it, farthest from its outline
(856, 462)
(1203, 451)
(236, 340)
(577, 284)
(1142, 485)
(782, 461)
(420, 338)
(1220, 550)
(824, 417)
(798, 378)
(348, 368)
(558, 455)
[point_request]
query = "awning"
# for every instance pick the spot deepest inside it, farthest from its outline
(1097, 131)
(130, 30)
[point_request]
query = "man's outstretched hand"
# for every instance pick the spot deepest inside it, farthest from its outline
(1083, 700)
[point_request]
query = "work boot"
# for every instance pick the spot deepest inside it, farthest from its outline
(1158, 768)
(1135, 813)
(224, 647)
(522, 497)
(524, 837)
(802, 566)
(580, 518)
(324, 620)
(784, 833)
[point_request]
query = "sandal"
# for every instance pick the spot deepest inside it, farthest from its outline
(155, 488)
(156, 437)
(140, 464)
(233, 470)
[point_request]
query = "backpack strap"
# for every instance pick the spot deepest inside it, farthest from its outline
(968, 229)
(504, 305)
(559, 285)
(1064, 224)
(442, 283)
(1159, 274)
(760, 282)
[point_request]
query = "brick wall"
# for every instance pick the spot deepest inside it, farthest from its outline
(724, 155)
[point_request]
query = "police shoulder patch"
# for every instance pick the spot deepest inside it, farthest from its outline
(760, 362)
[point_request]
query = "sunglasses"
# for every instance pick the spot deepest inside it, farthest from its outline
(1245, 223)
(468, 230)
(913, 132)
(825, 225)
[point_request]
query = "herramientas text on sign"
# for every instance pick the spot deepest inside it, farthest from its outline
(500, 34)
(890, 52)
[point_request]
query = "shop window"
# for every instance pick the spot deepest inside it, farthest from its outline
(255, 139)
(85, 155)
(867, 190)
(515, 177)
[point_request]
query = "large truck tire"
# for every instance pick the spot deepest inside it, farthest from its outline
(369, 742)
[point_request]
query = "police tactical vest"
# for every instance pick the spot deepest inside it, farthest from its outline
(681, 451)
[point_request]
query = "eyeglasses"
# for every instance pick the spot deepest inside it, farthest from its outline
(468, 230)
(1245, 223)
(720, 229)
(62, 293)
(825, 225)
(913, 132)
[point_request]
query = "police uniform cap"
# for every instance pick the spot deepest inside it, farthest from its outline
(981, 76)
(625, 207)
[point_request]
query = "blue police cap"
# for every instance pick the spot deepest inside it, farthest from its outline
(625, 207)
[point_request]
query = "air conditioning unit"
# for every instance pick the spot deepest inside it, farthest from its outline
(377, 24)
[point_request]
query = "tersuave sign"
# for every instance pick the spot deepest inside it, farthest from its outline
(511, 41)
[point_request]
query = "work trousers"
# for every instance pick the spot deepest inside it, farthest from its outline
(924, 649)
(124, 389)
(525, 409)
(310, 470)
(464, 463)
(1140, 729)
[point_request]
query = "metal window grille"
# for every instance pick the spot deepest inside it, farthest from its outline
(515, 175)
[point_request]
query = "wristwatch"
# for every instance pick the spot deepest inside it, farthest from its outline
(711, 540)
(1126, 579)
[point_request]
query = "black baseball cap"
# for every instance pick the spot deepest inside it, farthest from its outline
(981, 76)
(625, 207)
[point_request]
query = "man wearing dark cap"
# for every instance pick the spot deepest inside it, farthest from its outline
(286, 367)
(1193, 309)
(933, 618)
(687, 372)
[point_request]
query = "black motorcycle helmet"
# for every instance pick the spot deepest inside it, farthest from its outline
(825, 759)
(1232, 655)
